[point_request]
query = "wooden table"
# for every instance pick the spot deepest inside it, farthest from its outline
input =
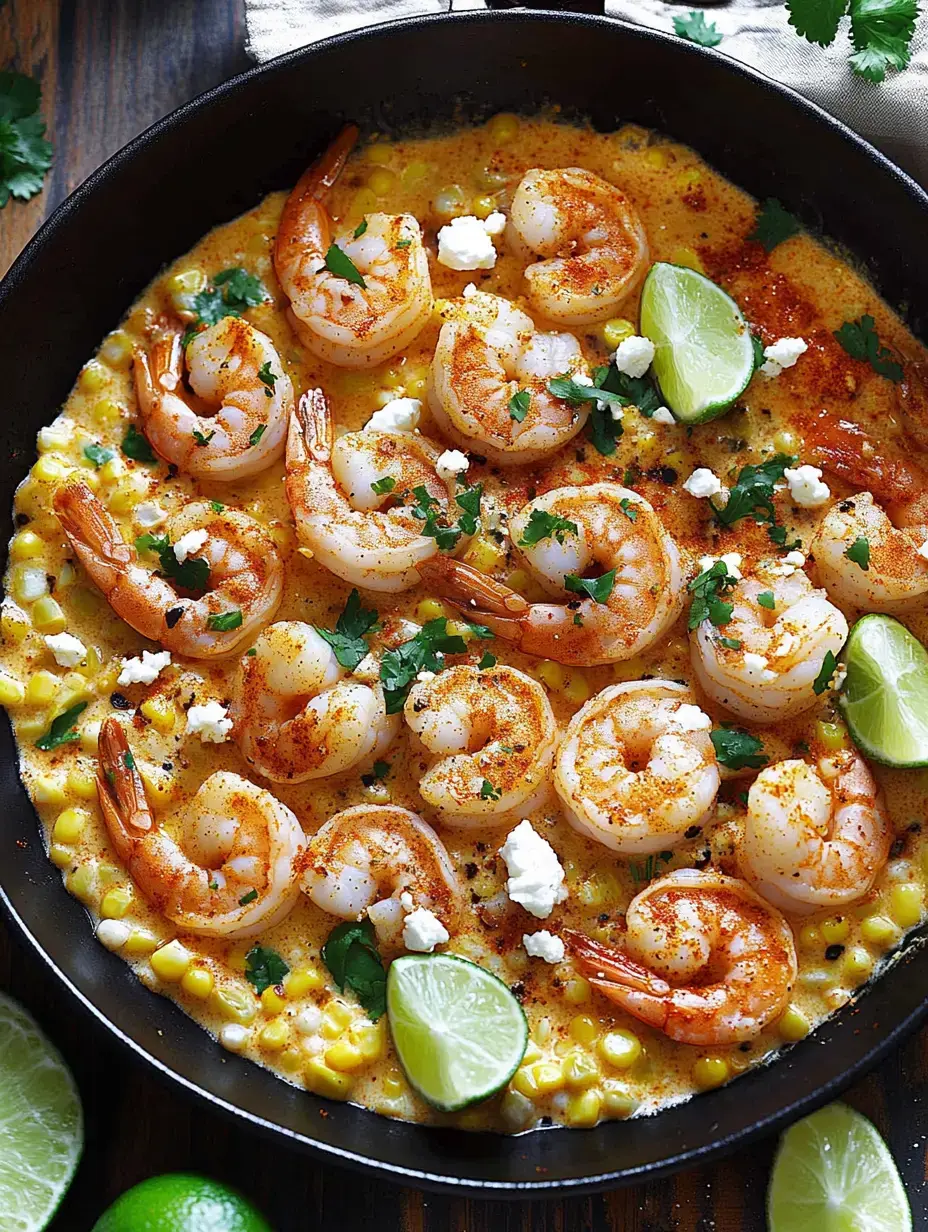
(107, 70)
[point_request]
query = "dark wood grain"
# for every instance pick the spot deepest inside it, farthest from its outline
(109, 69)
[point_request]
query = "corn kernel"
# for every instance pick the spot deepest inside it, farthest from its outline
(290, 1060)
(12, 691)
(577, 688)
(61, 857)
(577, 990)
(450, 202)
(271, 1000)
(29, 729)
(532, 1054)
(69, 825)
(28, 583)
(171, 961)
(579, 1070)
(484, 554)
(906, 902)
(321, 1079)
(370, 1040)
(414, 173)
(551, 674)
(26, 546)
(393, 1084)
(430, 609)
(810, 937)
(197, 982)
(710, 1072)
(14, 624)
(832, 736)
(274, 1035)
(786, 441)
(547, 1077)
(47, 790)
(106, 414)
(879, 930)
(688, 257)
(235, 1003)
(583, 1109)
(364, 201)
(140, 943)
(503, 127)
(857, 964)
(183, 286)
(160, 713)
(835, 929)
(615, 332)
(116, 349)
(50, 468)
(583, 1029)
(658, 157)
(379, 153)
(344, 1056)
(483, 206)
(115, 903)
(81, 883)
(618, 1101)
(523, 1081)
(793, 1024)
(92, 663)
(688, 179)
(47, 615)
(620, 1048)
(381, 181)
(90, 736)
(236, 957)
(112, 471)
(336, 1018)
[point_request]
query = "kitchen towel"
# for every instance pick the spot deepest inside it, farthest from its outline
(894, 115)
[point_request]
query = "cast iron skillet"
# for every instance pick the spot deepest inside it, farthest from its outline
(218, 156)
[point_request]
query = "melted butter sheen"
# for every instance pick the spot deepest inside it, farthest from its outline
(692, 216)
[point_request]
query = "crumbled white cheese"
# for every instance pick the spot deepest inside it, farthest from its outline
(806, 487)
(465, 244)
(839, 677)
(755, 667)
(399, 415)
(617, 412)
(782, 354)
(690, 718)
(544, 945)
(634, 356)
(469, 290)
(923, 550)
(144, 670)
(113, 934)
(423, 930)
(536, 878)
(68, 650)
(581, 378)
(794, 558)
(189, 544)
(150, 514)
(495, 223)
(33, 583)
(663, 416)
(731, 560)
(424, 677)
(703, 482)
(407, 902)
(210, 722)
(452, 462)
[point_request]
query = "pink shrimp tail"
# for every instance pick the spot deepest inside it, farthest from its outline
(479, 596)
(313, 421)
(121, 791)
(844, 448)
(304, 215)
(89, 526)
(622, 980)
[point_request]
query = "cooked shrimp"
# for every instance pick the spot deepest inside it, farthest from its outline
(891, 515)
(360, 321)
(488, 352)
(371, 539)
(245, 574)
(298, 715)
(636, 768)
(236, 424)
(780, 648)
(493, 733)
(706, 960)
(645, 596)
(591, 238)
(236, 870)
(369, 857)
(815, 835)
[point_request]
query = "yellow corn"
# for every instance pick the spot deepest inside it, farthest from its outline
(810, 937)
(577, 688)
(197, 982)
(26, 546)
(28, 583)
(47, 790)
(115, 903)
(50, 468)
(379, 153)
(171, 961)
(363, 202)
(271, 1000)
(688, 179)
(12, 691)
(381, 182)
(344, 1056)
(879, 930)
(61, 857)
(414, 172)
(450, 202)
(393, 1084)
(786, 441)
(106, 414)
(274, 1035)
(290, 1060)
(620, 1048)
(710, 1072)
(583, 1109)
(793, 1024)
(92, 663)
(80, 883)
(579, 1070)
(321, 1079)
(430, 609)
(140, 943)
(29, 729)
(657, 157)
(484, 554)
(618, 1101)
(688, 257)
(82, 783)
(857, 964)
(577, 990)
(108, 873)
(69, 825)
(906, 902)
(160, 713)
(483, 206)
(832, 736)
(112, 471)
(615, 332)
(503, 127)
(90, 735)
(583, 1029)
(371, 1040)
(551, 674)
(14, 624)
(183, 285)
(532, 1054)
(234, 1003)
(237, 955)
(47, 615)
(835, 930)
(117, 349)
(335, 1019)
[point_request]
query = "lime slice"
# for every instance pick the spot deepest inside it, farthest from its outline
(834, 1173)
(704, 357)
(181, 1202)
(458, 1030)
(885, 695)
(41, 1123)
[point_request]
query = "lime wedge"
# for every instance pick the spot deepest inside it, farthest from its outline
(885, 695)
(181, 1202)
(834, 1173)
(41, 1124)
(704, 357)
(458, 1031)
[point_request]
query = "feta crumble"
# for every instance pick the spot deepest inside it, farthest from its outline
(145, 669)
(210, 722)
(806, 487)
(536, 878)
(544, 945)
(68, 650)
(423, 930)
(466, 244)
(399, 415)
(150, 514)
(663, 416)
(703, 483)
(690, 718)
(495, 223)
(189, 544)
(755, 667)
(452, 462)
(731, 561)
(634, 356)
(782, 354)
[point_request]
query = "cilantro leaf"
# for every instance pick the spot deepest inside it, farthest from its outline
(758, 348)
(384, 485)
(574, 391)
(98, 454)
(267, 377)
(191, 574)
(222, 622)
(730, 643)
(203, 438)
(542, 525)
(881, 31)
(488, 791)
(264, 968)
(646, 869)
(62, 729)
(487, 660)
(231, 292)
(639, 391)
(816, 20)
(604, 431)
(248, 898)
(825, 676)
(360, 228)
(338, 262)
(694, 27)
(519, 404)
(25, 155)
(598, 589)
(752, 493)
(352, 626)
(424, 652)
(216, 506)
(378, 773)
(860, 340)
(767, 600)
(774, 224)
(436, 525)
(706, 589)
(135, 446)
(257, 434)
(628, 509)
(859, 553)
(350, 953)
(19, 96)
(738, 750)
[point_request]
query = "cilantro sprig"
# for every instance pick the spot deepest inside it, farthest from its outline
(264, 968)
(598, 589)
(881, 30)
(353, 625)
(425, 652)
(738, 750)
(544, 525)
(436, 524)
(695, 29)
(861, 341)
(707, 589)
(519, 404)
(25, 155)
(62, 729)
(774, 225)
(752, 496)
(338, 262)
(135, 445)
(190, 574)
(229, 294)
(351, 954)
(859, 553)
(826, 674)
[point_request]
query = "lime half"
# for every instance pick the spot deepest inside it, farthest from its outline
(834, 1173)
(704, 357)
(458, 1030)
(181, 1202)
(41, 1124)
(885, 695)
